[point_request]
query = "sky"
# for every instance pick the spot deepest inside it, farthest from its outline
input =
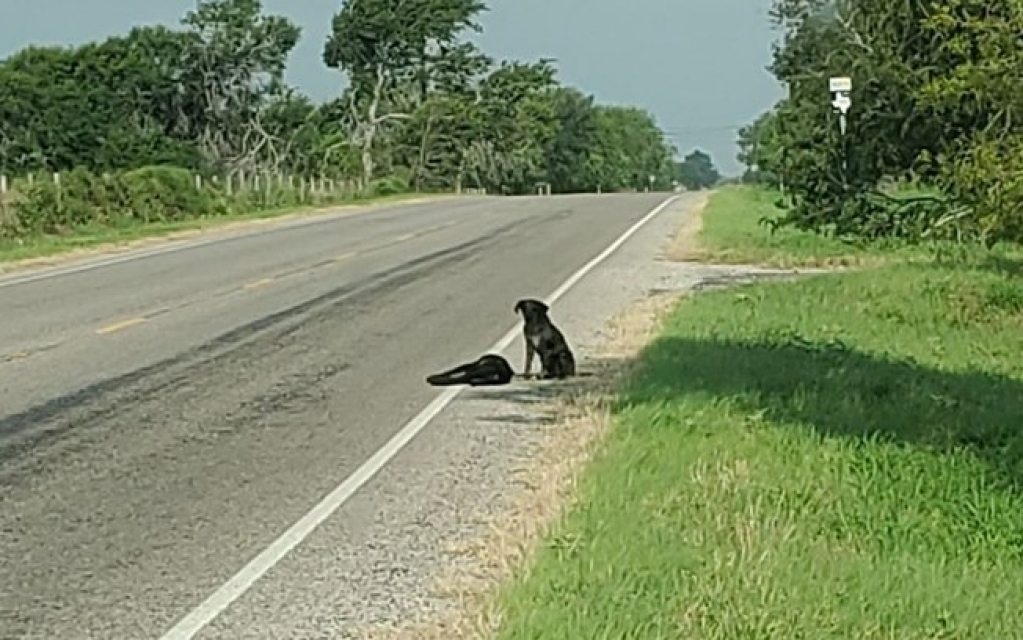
(697, 65)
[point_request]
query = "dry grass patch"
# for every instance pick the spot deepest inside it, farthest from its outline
(686, 243)
(542, 489)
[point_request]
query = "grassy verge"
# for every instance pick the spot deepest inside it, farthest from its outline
(732, 234)
(88, 237)
(836, 457)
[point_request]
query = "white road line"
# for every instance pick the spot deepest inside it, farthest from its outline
(221, 599)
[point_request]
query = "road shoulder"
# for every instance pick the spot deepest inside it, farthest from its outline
(612, 315)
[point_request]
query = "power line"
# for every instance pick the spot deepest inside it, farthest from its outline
(685, 131)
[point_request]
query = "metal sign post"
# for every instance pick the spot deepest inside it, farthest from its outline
(841, 100)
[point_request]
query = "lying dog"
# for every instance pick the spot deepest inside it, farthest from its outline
(487, 370)
(544, 339)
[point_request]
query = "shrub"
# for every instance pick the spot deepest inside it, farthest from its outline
(389, 186)
(154, 194)
(164, 194)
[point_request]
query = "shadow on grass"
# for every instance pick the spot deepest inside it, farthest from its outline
(841, 392)
(829, 387)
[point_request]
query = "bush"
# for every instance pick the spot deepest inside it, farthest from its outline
(157, 194)
(390, 186)
(82, 198)
(164, 194)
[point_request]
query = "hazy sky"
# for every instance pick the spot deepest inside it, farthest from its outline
(697, 65)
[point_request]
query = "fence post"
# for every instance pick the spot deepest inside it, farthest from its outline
(198, 182)
(3, 184)
(56, 181)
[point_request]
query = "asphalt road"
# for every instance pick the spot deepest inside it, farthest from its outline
(163, 419)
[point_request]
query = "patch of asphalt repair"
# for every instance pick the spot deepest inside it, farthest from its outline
(440, 494)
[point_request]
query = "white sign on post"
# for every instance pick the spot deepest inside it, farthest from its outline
(841, 84)
(840, 88)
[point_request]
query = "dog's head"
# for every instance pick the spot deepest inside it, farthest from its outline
(531, 309)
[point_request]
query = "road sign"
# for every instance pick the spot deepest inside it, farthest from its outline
(842, 103)
(840, 88)
(840, 84)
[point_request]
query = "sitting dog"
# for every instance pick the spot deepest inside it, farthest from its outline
(487, 370)
(544, 339)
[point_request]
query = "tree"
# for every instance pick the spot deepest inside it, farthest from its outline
(568, 150)
(516, 106)
(389, 52)
(935, 102)
(423, 108)
(433, 142)
(234, 62)
(697, 171)
(628, 148)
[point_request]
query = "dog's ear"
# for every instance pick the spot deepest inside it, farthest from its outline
(525, 305)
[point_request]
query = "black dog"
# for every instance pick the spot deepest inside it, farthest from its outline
(487, 370)
(546, 340)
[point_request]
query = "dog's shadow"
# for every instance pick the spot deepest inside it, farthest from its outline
(535, 400)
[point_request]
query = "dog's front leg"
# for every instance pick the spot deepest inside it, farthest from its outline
(530, 352)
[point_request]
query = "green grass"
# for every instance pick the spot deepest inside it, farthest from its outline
(14, 249)
(732, 234)
(838, 457)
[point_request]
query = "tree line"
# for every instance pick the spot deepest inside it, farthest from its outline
(424, 109)
(934, 146)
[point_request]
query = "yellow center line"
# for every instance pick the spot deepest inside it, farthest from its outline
(117, 326)
(258, 283)
(407, 236)
(341, 257)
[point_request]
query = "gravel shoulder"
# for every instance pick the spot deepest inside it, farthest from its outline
(459, 507)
